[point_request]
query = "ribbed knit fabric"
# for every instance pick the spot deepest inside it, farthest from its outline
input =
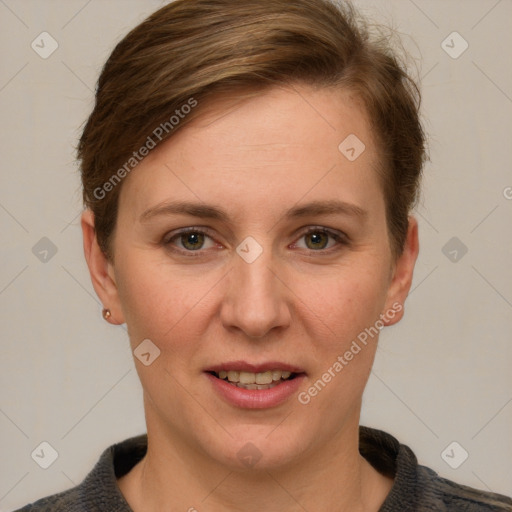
(416, 488)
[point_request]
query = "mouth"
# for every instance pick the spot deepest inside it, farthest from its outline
(251, 380)
(255, 386)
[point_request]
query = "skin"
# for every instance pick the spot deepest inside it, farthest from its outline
(293, 303)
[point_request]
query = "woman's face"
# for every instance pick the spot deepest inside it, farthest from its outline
(250, 289)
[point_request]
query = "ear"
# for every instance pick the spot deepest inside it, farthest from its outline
(101, 270)
(402, 274)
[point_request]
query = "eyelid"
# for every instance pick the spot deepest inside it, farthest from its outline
(334, 233)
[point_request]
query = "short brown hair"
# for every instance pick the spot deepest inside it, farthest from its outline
(194, 50)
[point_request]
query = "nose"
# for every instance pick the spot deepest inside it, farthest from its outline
(256, 300)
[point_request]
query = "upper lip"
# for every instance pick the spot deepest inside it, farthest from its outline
(244, 366)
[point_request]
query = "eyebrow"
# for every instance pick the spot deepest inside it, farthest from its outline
(201, 210)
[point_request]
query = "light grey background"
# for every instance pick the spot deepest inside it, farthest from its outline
(441, 375)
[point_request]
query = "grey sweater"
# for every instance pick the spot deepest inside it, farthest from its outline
(416, 488)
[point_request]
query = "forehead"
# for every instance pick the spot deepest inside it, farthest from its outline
(291, 121)
(281, 144)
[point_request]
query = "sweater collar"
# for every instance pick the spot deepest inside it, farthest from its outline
(380, 449)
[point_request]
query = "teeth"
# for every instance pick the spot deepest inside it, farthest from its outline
(233, 376)
(249, 378)
(264, 378)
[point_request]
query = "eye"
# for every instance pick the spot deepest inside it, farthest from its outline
(190, 240)
(317, 239)
(197, 240)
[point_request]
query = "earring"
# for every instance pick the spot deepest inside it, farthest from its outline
(106, 314)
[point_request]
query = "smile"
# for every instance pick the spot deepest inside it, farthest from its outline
(249, 380)
(255, 386)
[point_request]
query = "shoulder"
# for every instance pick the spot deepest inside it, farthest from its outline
(418, 488)
(99, 490)
(441, 492)
(67, 501)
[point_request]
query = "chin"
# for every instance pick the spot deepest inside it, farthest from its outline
(256, 449)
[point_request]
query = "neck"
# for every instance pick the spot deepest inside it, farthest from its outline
(175, 477)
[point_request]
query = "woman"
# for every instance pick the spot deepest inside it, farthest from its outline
(249, 170)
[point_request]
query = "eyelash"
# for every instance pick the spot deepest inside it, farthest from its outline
(341, 240)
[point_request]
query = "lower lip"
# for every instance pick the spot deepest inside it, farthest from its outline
(256, 398)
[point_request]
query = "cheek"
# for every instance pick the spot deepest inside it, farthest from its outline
(345, 302)
(343, 341)
(160, 302)
(144, 298)
(168, 304)
(340, 317)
